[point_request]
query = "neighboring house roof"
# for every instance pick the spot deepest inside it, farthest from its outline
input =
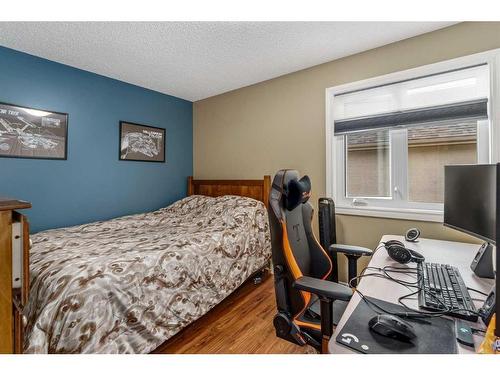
(434, 133)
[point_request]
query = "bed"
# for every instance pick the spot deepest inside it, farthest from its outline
(128, 284)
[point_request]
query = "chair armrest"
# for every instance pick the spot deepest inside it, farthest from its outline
(323, 288)
(350, 250)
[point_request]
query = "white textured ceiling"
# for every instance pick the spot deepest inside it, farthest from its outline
(196, 60)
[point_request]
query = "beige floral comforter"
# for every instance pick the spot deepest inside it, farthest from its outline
(128, 284)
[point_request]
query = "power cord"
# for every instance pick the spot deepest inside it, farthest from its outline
(371, 304)
(478, 291)
(413, 313)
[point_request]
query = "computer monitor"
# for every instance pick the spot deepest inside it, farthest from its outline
(470, 199)
(470, 206)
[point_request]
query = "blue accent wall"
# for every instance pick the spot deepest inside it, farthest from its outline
(92, 184)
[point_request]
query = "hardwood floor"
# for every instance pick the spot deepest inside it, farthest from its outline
(241, 324)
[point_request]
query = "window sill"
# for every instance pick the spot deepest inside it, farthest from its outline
(392, 213)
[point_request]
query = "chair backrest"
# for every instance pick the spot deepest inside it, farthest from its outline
(295, 249)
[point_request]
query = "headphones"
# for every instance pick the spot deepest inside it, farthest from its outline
(397, 251)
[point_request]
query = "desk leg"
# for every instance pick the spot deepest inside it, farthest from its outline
(326, 323)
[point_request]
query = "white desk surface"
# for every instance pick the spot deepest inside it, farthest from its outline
(457, 254)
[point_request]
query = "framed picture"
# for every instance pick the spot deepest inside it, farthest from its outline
(141, 142)
(32, 133)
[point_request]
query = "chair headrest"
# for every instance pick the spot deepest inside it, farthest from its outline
(298, 192)
(288, 191)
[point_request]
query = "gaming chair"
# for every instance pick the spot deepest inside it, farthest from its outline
(309, 305)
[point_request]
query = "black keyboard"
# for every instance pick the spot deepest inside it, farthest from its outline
(442, 288)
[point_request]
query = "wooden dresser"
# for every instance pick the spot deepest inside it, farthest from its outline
(14, 273)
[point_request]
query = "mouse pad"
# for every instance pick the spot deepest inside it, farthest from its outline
(436, 337)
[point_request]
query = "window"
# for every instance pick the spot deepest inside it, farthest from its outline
(430, 148)
(388, 142)
(368, 164)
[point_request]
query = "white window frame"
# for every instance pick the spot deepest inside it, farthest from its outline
(335, 150)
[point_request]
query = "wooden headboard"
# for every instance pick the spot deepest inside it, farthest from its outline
(256, 189)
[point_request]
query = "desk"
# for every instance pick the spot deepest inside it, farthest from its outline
(457, 254)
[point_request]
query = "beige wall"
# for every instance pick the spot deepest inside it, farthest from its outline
(280, 123)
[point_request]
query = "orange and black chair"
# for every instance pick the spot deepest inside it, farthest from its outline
(309, 305)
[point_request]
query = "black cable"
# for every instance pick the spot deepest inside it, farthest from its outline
(385, 275)
(409, 285)
(381, 245)
(478, 291)
(429, 313)
(446, 311)
(388, 269)
(370, 302)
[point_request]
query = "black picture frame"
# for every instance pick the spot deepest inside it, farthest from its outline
(151, 152)
(32, 133)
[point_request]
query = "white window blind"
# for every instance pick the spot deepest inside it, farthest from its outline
(460, 86)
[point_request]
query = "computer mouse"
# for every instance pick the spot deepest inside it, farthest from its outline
(392, 326)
